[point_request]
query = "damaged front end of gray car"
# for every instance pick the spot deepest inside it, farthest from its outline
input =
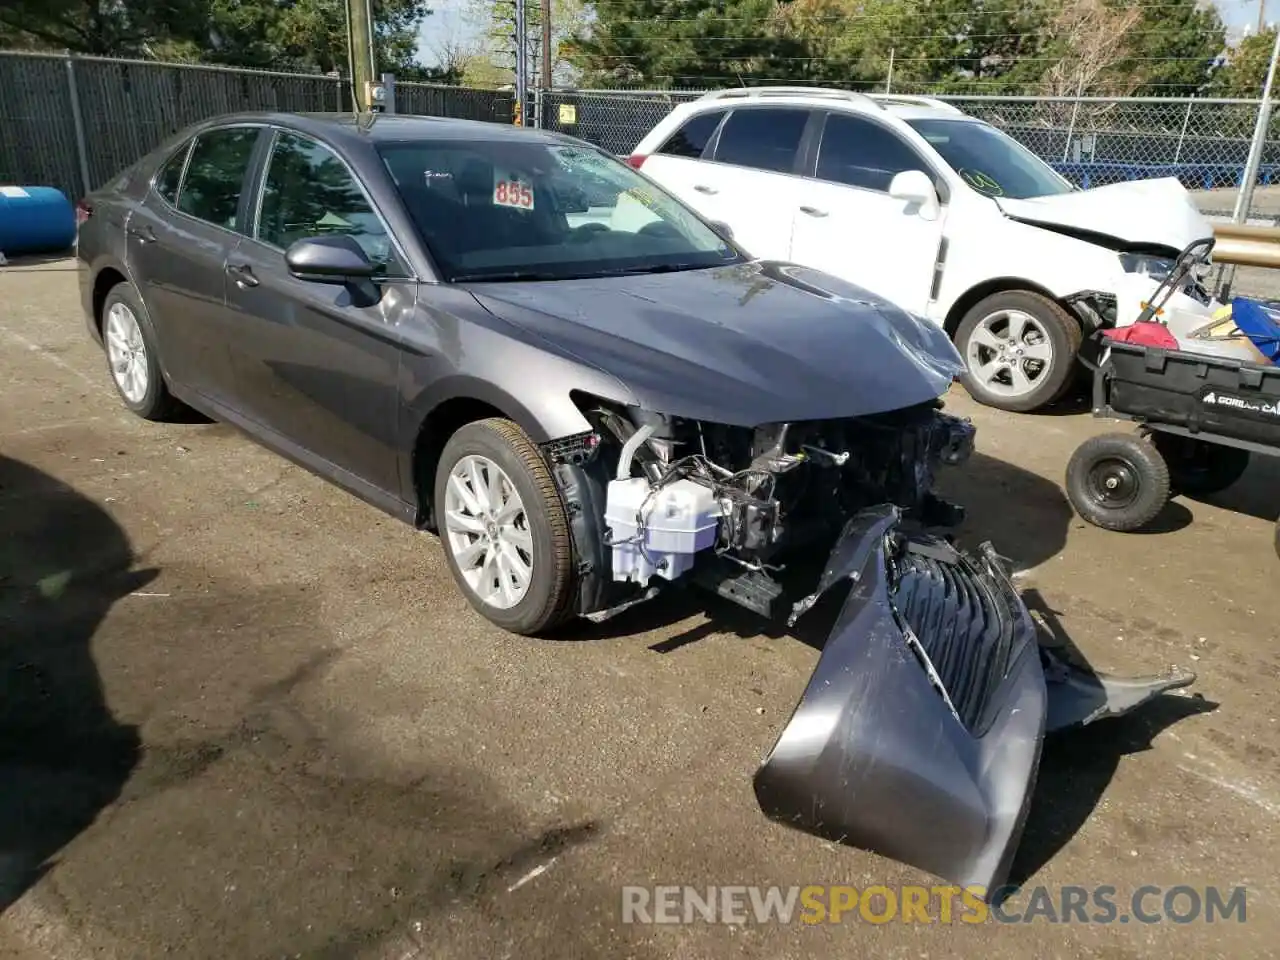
(919, 735)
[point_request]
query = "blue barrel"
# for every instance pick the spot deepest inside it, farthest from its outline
(35, 220)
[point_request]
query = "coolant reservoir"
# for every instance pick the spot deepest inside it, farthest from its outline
(658, 532)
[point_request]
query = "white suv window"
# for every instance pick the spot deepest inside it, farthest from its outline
(764, 138)
(862, 153)
(694, 134)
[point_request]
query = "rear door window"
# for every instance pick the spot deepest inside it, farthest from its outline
(766, 138)
(692, 137)
(215, 175)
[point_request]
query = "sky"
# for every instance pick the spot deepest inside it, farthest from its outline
(449, 22)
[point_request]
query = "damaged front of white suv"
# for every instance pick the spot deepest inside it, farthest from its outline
(919, 733)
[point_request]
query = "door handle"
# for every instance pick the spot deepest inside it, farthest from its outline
(703, 188)
(242, 274)
(142, 234)
(813, 211)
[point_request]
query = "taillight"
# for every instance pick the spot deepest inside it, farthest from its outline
(84, 210)
(1148, 333)
(636, 160)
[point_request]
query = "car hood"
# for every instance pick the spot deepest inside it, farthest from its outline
(1158, 211)
(744, 344)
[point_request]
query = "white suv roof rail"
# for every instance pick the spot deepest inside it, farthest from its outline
(908, 100)
(783, 91)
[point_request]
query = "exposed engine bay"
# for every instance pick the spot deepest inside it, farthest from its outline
(733, 504)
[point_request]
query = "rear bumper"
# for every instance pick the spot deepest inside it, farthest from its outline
(919, 735)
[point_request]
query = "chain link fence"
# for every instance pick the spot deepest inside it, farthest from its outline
(74, 122)
(1092, 141)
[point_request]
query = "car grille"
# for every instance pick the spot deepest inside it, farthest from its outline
(962, 620)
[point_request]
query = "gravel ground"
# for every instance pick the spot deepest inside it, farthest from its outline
(245, 715)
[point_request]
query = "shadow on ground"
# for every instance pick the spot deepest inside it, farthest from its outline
(63, 757)
(1077, 765)
(1256, 494)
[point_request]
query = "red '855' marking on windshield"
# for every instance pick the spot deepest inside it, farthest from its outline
(513, 193)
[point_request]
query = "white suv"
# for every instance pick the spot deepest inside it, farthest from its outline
(936, 211)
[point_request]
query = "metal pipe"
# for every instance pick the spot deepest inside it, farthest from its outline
(77, 120)
(522, 67)
(1245, 198)
(1071, 127)
(389, 94)
(1245, 245)
(1182, 134)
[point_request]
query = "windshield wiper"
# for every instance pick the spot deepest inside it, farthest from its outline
(506, 275)
(658, 268)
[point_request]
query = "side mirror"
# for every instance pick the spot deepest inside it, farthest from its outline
(329, 259)
(914, 188)
(723, 229)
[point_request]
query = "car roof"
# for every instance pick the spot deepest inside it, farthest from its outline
(902, 106)
(389, 128)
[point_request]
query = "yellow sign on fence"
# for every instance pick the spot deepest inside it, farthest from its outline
(568, 113)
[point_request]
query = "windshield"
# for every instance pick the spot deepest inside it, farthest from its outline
(525, 209)
(992, 162)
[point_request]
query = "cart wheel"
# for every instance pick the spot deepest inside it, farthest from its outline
(1197, 467)
(1117, 481)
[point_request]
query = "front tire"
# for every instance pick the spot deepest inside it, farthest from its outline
(1199, 468)
(1019, 350)
(504, 528)
(1118, 481)
(132, 358)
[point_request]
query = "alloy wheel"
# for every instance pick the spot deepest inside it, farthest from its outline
(487, 532)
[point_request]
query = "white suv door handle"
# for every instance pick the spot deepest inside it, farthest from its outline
(813, 211)
(703, 188)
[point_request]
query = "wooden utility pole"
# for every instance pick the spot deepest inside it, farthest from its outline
(546, 44)
(360, 51)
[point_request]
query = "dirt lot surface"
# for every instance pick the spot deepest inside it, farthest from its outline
(243, 715)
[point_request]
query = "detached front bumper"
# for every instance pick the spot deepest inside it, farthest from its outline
(919, 735)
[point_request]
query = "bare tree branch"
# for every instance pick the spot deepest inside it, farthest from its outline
(1093, 38)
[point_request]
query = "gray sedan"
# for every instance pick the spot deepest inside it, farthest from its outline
(514, 339)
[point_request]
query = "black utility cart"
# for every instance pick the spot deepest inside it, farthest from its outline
(1199, 419)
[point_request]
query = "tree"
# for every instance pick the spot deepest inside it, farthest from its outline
(496, 20)
(95, 26)
(1173, 47)
(303, 35)
(979, 46)
(687, 43)
(1246, 71)
(1089, 39)
(844, 42)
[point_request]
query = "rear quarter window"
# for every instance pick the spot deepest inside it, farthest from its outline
(693, 136)
(170, 175)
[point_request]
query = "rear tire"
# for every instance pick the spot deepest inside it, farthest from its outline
(132, 358)
(504, 528)
(1019, 350)
(1199, 468)
(1117, 481)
